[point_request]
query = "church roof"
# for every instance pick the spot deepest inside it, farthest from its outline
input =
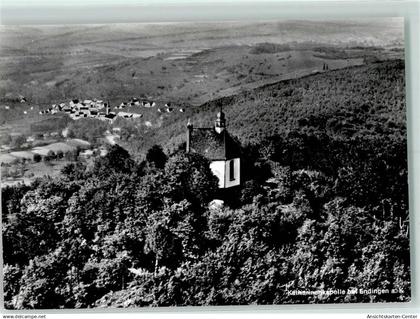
(213, 145)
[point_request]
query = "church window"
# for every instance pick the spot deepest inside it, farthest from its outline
(232, 170)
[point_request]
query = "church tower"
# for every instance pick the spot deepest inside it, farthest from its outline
(220, 123)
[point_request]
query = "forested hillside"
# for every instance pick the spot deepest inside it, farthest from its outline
(359, 101)
(323, 207)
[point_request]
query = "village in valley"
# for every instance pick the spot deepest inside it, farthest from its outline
(24, 157)
(101, 110)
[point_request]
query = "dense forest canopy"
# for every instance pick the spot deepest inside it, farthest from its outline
(323, 205)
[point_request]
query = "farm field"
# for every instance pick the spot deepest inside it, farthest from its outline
(33, 171)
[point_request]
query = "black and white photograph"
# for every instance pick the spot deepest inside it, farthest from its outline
(208, 163)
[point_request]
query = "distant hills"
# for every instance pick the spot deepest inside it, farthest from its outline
(185, 62)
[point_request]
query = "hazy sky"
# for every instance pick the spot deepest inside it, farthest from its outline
(55, 3)
(14, 12)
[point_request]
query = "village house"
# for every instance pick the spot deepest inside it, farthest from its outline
(220, 148)
(86, 154)
(129, 115)
(110, 117)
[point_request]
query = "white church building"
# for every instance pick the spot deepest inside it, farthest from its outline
(220, 148)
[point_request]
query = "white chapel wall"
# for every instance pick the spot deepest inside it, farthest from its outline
(218, 169)
(222, 170)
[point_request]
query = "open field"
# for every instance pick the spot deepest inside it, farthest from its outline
(33, 171)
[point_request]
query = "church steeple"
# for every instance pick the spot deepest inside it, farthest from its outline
(189, 131)
(220, 123)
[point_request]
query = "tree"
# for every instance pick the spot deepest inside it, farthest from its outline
(384, 263)
(174, 234)
(17, 141)
(37, 158)
(12, 275)
(5, 139)
(41, 283)
(88, 129)
(71, 155)
(156, 156)
(33, 226)
(117, 160)
(74, 171)
(50, 156)
(189, 177)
